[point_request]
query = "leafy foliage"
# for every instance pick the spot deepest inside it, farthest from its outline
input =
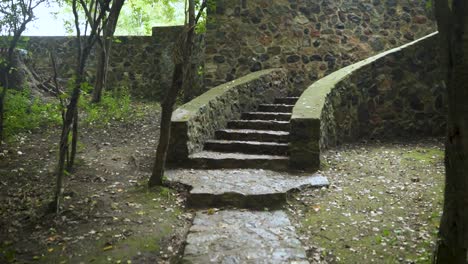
(16, 13)
(114, 106)
(429, 5)
(26, 113)
(14, 17)
(139, 16)
(201, 25)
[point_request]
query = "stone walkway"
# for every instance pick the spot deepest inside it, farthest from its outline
(243, 237)
(253, 235)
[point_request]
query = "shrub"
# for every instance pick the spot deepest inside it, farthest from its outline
(114, 106)
(25, 113)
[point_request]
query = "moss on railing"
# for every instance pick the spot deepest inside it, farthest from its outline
(314, 125)
(196, 121)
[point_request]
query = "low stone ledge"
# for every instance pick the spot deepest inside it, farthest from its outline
(242, 188)
(395, 93)
(196, 121)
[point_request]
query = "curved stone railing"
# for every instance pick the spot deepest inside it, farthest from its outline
(196, 121)
(398, 93)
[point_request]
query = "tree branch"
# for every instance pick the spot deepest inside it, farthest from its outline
(200, 12)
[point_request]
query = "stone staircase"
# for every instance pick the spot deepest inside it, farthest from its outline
(253, 147)
(258, 140)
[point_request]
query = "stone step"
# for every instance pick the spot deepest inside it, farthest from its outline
(259, 124)
(253, 135)
(286, 100)
(241, 188)
(266, 116)
(279, 108)
(220, 160)
(248, 147)
(243, 237)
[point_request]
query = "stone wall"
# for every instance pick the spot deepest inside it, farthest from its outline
(196, 121)
(143, 64)
(311, 38)
(398, 93)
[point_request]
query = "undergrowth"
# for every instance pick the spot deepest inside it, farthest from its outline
(114, 106)
(24, 113)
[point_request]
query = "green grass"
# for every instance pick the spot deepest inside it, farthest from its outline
(114, 106)
(23, 113)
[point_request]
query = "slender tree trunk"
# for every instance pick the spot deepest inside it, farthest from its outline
(2, 113)
(74, 142)
(63, 149)
(2, 108)
(70, 122)
(165, 132)
(100, 75)
(105, 49)
(453, 233)
(188, 83)
(182, 57)
(95, 15)
(64, 143)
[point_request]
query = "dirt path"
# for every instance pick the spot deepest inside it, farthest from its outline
(109, 215)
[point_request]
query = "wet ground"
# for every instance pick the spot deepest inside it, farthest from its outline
(383, 206)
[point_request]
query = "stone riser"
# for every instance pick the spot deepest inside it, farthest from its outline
(209, 163)
(278, 108)
(238, 200)
(266, 116)
(286, 100)
(253, 135)
(259, 124)
(247, 147)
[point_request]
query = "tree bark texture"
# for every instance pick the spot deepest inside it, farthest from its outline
(182, 57)
(64, 143)
(70, 120)
(165, 132)
(105, 49)
(453, 233)
(2, 113)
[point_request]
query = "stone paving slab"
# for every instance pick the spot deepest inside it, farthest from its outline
(243, 237)
(241, 188)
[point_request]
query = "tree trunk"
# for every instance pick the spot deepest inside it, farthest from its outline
(453, 233)
(165, 132)
(189, 83)
(64, 143)
(70, 121)
(74, 139)
(100, 75)
(2, 108)
(182, 66)
(105, 48)
(2, 113)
